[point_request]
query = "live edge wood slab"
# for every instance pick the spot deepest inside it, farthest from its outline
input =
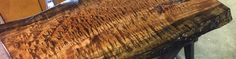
(111, 28)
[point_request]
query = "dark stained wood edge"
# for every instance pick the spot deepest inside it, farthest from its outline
(215, 22)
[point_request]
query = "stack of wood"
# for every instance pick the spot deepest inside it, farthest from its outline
(111, 28)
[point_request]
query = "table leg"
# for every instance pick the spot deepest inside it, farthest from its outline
(189, 51)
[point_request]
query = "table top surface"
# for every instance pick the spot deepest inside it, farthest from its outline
(108, 28)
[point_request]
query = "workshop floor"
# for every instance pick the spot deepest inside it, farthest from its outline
(220, 43)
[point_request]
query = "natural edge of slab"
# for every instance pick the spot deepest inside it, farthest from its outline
(215, 22)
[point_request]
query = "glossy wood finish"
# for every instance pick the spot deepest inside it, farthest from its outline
(111, 28)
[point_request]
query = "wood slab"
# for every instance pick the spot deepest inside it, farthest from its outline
(116, 29)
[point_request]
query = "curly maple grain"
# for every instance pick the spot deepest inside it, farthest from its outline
(110, 28)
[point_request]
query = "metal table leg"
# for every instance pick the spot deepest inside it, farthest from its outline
(189, 51)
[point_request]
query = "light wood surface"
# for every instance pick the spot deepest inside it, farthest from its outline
(13, 10)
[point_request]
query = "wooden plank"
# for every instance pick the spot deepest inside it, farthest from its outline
(13, 10)
(111, 28)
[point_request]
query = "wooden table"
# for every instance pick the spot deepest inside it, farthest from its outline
(95, 29)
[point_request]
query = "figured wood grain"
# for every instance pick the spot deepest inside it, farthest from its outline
(118, 29)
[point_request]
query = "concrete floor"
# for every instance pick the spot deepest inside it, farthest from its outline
(219, 43)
